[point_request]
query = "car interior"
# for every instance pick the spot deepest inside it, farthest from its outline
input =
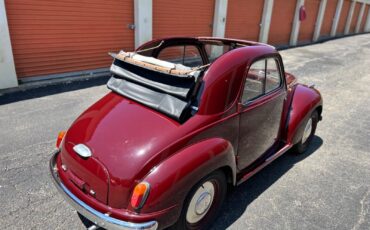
(167, 76)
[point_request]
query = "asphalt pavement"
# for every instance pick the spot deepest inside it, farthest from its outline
(326, 188)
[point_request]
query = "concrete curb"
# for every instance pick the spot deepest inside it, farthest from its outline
(53, 82)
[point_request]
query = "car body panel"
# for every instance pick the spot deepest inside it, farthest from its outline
(258, 133)
(127, 130)
(173, 178)
(223, 80)
(304, 102)
(131, 143)
(92, 177)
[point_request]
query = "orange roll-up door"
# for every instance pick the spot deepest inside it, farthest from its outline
(50, 37)
(243, 19)
(307, 26)
(343, 17)
(282, 21)
(355, 17)
(327, 23)
(182, 18)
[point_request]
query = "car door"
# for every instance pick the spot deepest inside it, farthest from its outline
(261, 108)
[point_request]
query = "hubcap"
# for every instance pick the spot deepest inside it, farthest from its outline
(200, 202)
(307, 131)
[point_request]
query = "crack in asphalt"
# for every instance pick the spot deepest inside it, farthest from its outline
(363, 211)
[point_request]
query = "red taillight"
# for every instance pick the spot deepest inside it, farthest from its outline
(141, 192)
(60, 138)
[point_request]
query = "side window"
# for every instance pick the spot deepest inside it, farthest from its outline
(185, 55)
(254, 82)
(263, 77)
(273, 79)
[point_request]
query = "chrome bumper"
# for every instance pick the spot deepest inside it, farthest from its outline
(93, 215)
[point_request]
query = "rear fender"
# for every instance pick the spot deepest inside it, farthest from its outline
(305, 101)
(172, 180)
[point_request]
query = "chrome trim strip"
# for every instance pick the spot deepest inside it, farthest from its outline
(93, 215)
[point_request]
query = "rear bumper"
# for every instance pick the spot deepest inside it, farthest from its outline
(93, 215)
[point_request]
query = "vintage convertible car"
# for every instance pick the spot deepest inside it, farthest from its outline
(185, 118)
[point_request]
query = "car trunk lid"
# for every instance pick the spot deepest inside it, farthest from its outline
(87, 174)
(123, 137)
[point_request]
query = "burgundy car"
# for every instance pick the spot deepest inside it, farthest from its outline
(185, 118)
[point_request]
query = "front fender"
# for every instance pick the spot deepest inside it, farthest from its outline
(305, 101)
(172, 179)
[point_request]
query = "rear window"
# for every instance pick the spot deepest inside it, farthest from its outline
(215, 51)
(186, 55)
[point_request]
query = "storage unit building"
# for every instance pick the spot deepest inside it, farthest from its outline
(307, 26)
(50, 37)
(182, 18)
(281, 21)
(243, 19)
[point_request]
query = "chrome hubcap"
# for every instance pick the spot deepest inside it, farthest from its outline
(307, 131)
(200, 202)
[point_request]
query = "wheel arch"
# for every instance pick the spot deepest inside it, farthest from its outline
(229, 174)
(174, 178)
(305, 101)
(319, 111)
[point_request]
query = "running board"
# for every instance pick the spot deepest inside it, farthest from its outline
(265, 163)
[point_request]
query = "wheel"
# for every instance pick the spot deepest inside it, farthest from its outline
(308, 133)
(203, 203)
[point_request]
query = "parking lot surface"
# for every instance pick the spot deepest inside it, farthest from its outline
(326, 188)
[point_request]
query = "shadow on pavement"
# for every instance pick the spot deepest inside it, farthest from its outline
(239, 198)
(46, 90)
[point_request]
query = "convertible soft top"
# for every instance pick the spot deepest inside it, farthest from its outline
(164, 86)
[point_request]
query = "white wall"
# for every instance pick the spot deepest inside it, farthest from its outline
(367, 25)
(266, 21)
(336, 18)
(8, 77)
(143, 21)
(349, 17)
(219, 20)
(319, 20)
(296, 24)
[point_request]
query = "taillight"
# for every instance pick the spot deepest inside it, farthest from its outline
(140, 194)
(60, 138)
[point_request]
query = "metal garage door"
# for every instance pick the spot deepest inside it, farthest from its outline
(364, 17)
(355, 17)
(343, 17)
(62, 36)
(307, 26)
(243, 19)
(331, 6)
(282, 21)
(182, 18)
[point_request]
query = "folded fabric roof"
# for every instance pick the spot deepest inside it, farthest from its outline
(168, 93)
(177, 86)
